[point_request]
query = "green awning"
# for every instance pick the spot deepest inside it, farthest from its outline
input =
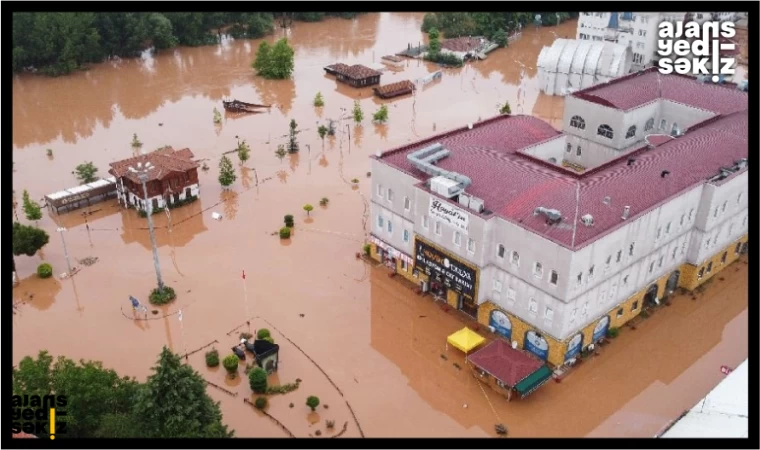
(533, 381)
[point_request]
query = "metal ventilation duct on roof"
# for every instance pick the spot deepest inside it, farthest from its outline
(552, 215)
(425, 158)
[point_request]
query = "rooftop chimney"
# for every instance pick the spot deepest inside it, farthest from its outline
(626, 212)
(664, 173)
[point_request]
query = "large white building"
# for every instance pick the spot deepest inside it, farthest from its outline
(550, 237)
(569, 65)
(636, 30)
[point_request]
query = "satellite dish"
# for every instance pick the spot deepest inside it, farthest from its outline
(514, 345)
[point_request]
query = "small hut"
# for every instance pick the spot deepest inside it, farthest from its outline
(356, 75)
(394, 89)
(392, 60)
(267, 354)
(508, 370)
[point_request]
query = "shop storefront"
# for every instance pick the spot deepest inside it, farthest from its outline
(501, 324)
(391, 257)
(600, 330)
(449, 277)
(536, 344)
(574, 347)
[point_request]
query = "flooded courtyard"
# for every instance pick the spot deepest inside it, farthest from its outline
(371, 349)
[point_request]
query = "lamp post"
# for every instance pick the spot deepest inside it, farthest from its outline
(142, 173)
(65, 252)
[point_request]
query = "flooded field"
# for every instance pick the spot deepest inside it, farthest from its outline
(364, 343)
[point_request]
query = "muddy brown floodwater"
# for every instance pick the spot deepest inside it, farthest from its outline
(363, 343)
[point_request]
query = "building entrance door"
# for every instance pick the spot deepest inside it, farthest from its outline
(176, 197)
(672, 283)
(467, 305)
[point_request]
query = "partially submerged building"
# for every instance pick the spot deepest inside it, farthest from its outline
(356, 75)
(507, 370)
(488, 217)
(84, 195)
(569, 65)
(468, 47)
(396, 89)
(173, 179)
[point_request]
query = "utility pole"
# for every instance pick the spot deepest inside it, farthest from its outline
(65, 251)
(142, 174)
(348, 127)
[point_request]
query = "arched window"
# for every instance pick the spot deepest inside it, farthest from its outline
(649, 125)
(569, 147)
(631, 132)
(578, 151)
(605, 130)
(674, 130)
(578, 122)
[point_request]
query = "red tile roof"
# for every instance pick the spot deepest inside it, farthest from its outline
(356, 72)
(644, 87)
(462, 44)
(504, 363)
(22, 435)
(513, 185)
(395, 89)
(166, 160)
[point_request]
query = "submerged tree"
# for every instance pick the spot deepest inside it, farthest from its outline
(136, 142)
(32, 209)
(27, 240)
(217, 116)
(274, 61)
(243, 151)
(226, 172)
(280, 152)
(505, 109)
(86, 172)
(292, 142)
(318, 100)
(357, 112)
(381, 115)
(322, 131)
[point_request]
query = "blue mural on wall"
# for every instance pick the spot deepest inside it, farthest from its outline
(536, 344)
(601, 328)
(501, 323)
(574, 346)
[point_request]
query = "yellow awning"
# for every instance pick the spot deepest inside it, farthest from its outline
(465, 339)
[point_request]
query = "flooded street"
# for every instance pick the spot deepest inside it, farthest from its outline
(365, 344)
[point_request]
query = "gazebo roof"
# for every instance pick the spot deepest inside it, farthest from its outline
(465, 339)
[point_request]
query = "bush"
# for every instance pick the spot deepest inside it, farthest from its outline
(162, 297)
(212, 358)
(283, 389)
(330, 424)
(381, 115)
(284, 233)
(86, 172)
(246, 335)
(289, 220)
(367, 249)
(49, 152)
(312, 402)
(257, 379)
(230, 363)
(44, 270)
(444, 59)
(260, 403)
(355, 181)
(263, 333)
(324, 201)
(319, 101)
(308, 208)
(613, 332)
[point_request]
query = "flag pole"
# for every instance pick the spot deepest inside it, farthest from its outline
(245, 299)
(182, 328)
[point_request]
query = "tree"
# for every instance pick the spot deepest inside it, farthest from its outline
(263, 333)
(226, 172)
(44, 270)
(32, 209)
(381, 115)
(308, 208)
(280, 152)
(429, 21)
(322, 131)
(217, 116)
(324, 201)
(230, 363)
(275, 61)
(136, 143)
(86, 172)
(284, 233)
(500, 38)
(434, 34)
(434, 45)
(263, 59)
(357, 112)
(289, 220)
(27, 240)
(292, 142)
(505, 109)
(312, 402)
(257, 379)
(173, 402)
(243, 151)
(318, 100)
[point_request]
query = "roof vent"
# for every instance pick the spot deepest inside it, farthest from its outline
(664, 173)
(626, 212)
(469, 126)
(631, 161)
(587, 220)
(379, 153)
(552, 215)
(606, 200)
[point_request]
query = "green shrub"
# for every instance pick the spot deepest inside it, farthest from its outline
(212, 358)
(289, 220)
(444, 59)
(162, 297)
(260, 403)
(355, 180)
(263, 333)
(44, 270)
(367, 249)
(613, 332)
(283, 389)
(324, 201)
(284, 233)
(269, 339)
(312, 402)
(230, 362)
(257, 379)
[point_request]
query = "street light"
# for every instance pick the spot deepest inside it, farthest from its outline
(142, 173)
(65, 252)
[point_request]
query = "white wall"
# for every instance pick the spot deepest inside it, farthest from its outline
(554, 148)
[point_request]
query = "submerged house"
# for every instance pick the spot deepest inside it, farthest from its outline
(267, 355)
(507, 370)
(394, 89)
(467, 47)
(356, 75)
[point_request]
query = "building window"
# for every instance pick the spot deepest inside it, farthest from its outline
(619, 256)
(497, 285)
(675, 251)
(425, 222)
(500, 251)
(631, 132)
(390, 195)
(406, 235)
(683, 217)
(642, 33)
(602, 297)
(709, 267)
(739, 198)
(438, 228)
(533, 306)
(591, 273)
(659, 233)
(663, 124)
(707, 243)
(651, 267)
(511, 295)
(515, 259)
(584, 309)
(625, 280)
(390, 227)
(691, 214)
(380, 190)
(578, 151)
(635, 305)
(569, 147)
(730, 230)
(649, 125)
(548, 314)
(553, 277)
(380, 222)
(683, 248)
(404, 266)
(667, 228)
(631, 248)
(723, 208)
(538, 270)
(620, 313)
(738, 248)
(471, 245)
(579, 280)
(578, 122)
(457, 239)
(715, 213)
(659, 262)
(605, 130)
(744, 222)
(723, 258)
(638, 58)
(407, 203)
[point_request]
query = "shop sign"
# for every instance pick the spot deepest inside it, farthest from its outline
(500, 322)
(601, 328)
(536, 344)
(452, 273)
(574, 346)
(449, 214)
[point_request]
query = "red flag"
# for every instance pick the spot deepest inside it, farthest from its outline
(244, 274)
